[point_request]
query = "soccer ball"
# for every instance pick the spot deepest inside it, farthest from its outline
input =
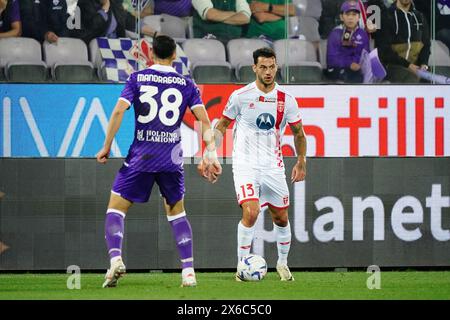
(252, 268)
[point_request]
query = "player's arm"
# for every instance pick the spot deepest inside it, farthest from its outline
(113, 126)
(299, 170)
(209, 167)
(221, 127)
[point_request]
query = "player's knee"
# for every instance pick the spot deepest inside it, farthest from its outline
(250, 214)
(281, 219)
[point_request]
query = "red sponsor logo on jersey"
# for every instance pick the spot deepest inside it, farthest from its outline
(251, 106)
(264, 99)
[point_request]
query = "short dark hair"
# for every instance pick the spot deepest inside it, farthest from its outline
(263, 52)
(163, 46)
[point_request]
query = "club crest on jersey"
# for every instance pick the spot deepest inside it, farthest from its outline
(251, 105)
(265, 121)
(285, 200)
(280, 106)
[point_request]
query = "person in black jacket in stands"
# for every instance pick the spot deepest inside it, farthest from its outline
(106, 18)
(46, 19)
(404, 42)
(34, 24)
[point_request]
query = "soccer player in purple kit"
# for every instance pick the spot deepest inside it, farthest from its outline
(160, 97)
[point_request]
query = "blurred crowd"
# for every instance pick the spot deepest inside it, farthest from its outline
(402, 31)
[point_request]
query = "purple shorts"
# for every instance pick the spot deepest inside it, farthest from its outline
(136, 186)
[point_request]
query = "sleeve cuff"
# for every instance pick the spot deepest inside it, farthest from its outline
(294, 123)
(197, 106)
(228, 118)
(125, 100)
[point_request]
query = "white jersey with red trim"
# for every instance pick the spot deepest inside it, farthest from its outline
(261, 119)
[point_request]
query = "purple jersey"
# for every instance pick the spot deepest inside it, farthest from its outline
(178, 8)
(160, 97)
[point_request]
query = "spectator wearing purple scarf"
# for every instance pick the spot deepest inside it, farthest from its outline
(345, 45)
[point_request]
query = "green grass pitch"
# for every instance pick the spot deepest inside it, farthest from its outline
(222, 286)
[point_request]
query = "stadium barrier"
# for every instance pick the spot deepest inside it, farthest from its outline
(340, 121)
(350, 212)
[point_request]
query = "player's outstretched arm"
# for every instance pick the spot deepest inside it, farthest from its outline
(209, 167)
(113, 126)
(299, 170)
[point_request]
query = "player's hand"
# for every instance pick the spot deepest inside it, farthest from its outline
(103, 155)
(299, 171)
(214, 170)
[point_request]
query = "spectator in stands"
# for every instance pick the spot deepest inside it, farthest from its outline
(222, 19)
(404, 42)
(177, 8)
(106, 18)
(441, 18)
(345, 45)
(10, 23)
(331, 14)
(268, 18)
(57, 18)
(34, 19)
(48, 19)
(443, 21)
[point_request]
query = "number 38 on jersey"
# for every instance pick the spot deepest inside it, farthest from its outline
(170, 102)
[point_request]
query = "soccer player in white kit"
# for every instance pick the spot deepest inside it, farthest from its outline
(262, 111)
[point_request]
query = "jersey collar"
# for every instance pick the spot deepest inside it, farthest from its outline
(270, 92)
(160, 67)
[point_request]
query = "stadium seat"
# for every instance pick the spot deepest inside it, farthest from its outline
(153, 21)
(323, 53)
(174, 27)
(95, 58)
(440, 58)
(21, 60)
(240, 56)
(68, 60)
(301, 61)
(208, 60)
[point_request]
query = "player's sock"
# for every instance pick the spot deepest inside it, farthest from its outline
(182, 232)
(244, 238)
(283, 236)
(114, 229)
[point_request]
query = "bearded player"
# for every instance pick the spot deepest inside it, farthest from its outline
(262, 110)
(160, 97)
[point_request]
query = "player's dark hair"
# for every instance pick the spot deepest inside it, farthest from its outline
(263, 52)
(163, 46)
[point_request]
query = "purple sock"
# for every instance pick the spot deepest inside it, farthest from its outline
(182, 233)
(114, 229)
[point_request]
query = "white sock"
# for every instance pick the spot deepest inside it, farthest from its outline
(244, 239)
(187, 271)
(283, 236)
(114, 259)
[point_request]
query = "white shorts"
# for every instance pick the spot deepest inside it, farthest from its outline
(265, 186)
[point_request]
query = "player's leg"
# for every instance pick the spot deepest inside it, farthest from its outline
(129, 186)
(171, 185)
(114, 232)
(247, 191)
(275, 194)
(283, 237)
(246, 227)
